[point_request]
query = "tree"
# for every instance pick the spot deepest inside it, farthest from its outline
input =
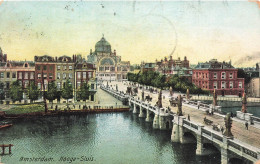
(2, 92)
(52, 92)
(16, 92)
(33, 92)
(84, 92)
(67, 91)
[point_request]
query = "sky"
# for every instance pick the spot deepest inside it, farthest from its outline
(138, 30)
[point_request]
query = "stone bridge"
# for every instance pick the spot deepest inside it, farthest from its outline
(186, 131)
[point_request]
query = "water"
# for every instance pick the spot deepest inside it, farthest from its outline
(253, 110)
(120, 138)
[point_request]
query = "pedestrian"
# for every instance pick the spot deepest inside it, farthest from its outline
(246, 124)
(188, 117)
(231, 114)
(222, 129)
(198, 106)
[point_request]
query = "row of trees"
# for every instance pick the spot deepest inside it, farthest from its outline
(52, 93)
(155, 79)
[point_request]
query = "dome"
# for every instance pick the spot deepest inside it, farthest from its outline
(103, 46)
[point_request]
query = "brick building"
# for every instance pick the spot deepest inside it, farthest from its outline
(44, 68)
(221, 76)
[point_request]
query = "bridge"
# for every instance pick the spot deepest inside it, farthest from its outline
(243, 145)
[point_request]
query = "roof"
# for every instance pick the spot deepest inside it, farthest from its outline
(214, 64)
(85, 65)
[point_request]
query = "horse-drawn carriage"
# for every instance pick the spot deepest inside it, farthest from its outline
(148, 98)
(173, 102)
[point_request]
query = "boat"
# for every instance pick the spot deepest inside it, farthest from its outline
(5, 124)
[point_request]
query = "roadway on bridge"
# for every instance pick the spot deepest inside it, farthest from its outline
(250, 136)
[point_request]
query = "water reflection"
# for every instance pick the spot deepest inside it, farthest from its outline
(109, 138)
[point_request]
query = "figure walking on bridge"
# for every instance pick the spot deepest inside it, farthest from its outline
(188, 117)
(246, 124)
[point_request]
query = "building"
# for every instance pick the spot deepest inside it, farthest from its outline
(85, 72)
(11, 71)
(108, 64)
(145, 67)
(254, 87)
(44, 68)
(64, 70)
(169, 67)
(221, 76)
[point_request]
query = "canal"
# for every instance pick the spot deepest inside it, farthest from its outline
(105, 138)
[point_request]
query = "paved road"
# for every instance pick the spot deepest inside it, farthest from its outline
(250, 136)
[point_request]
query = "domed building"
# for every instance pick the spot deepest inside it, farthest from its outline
(109, 65)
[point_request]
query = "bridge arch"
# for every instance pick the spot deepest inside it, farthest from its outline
(236, 160)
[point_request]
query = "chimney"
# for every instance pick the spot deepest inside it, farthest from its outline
(185, 58)
(56, 59)
(165, 58)
(115, 52)
(171, 57)
(90, 51)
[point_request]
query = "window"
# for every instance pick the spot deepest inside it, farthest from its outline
(58, 85)
(215, 75)
(118, 68)
(20, 75)
(2, 75)
(7, 85)
(25, 65)
(38, 67)
(26, 75)
(8, 75)
(32, 75)
(78, 75)
(64, 68)
(39, 85)
(70, 67)
(240, 84)
(106, 68)
(26, 83)
(39, 76)
(44, 67)
(78, 84)
(13, 75)
(70, 75)
(101, 68)
(92, 86)
(89, 74)
(58, 67)
(231, 75)
(45, 76)
(231, 85)
(50, 76)
(64, 75)
(58, 75)
(84, 75)
(223, 75)
(223, 84)
(51, 67)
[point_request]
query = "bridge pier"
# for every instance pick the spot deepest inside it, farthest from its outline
(141, 114)
(148, 118)
(156, 121)
(177, 129)
(224, 151)
(135, 110)
(162, 123)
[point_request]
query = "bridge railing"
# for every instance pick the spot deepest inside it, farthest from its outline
(234, 145)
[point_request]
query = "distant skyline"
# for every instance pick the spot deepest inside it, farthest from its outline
(139, 31)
